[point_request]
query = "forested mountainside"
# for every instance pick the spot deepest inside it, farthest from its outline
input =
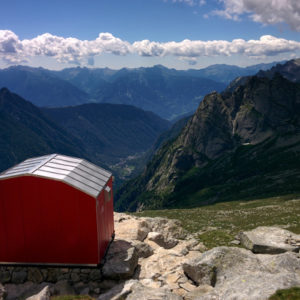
(105, 134)
(238, 145)
(25, 132)
(110, 131)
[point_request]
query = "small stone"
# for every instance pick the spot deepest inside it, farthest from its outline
(143, 250)
(75, 277)
(52, 275)
(79, 286)
(5, 276)
(235, 242)
(19, 277)
(85, 271)
(160, 240)
(84, 277)
(95, 275)
(85, 291)
(62, 288)
(35, 275)
(187, 286)
(107, 284)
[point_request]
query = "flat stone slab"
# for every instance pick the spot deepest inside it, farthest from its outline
(237, 273)
(270, 240)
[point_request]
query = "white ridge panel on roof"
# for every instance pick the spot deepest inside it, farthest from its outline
(49, 175)
(45, 168)
(81, 186)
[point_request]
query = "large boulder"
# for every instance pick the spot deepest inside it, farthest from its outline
(171, 229)
(44, 294)
(236, 273)
(144, 250)
(161, 240)
(130, 228)
(121, 260)
(271, 240)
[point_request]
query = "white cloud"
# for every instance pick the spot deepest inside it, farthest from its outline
(266, 46)
(266, 12)
(72, 50)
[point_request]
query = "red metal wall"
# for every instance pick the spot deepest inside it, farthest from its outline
(47, 221)
(105, 221)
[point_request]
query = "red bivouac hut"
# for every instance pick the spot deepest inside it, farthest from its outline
(55, 210)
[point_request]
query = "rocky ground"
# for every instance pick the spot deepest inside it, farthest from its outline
(154, 258)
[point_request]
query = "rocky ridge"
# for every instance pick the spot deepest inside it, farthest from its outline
(154, 258)
(236, 141)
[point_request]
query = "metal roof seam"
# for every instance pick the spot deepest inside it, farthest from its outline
(42, 163)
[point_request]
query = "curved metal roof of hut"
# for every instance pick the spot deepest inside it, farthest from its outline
(76, 172)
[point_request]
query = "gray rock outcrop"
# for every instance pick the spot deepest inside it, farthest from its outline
(271, 240)
(160, 240)
(236, 273)
(140, 264)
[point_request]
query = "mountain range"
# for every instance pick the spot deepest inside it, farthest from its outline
(241, 144)
(167, 92)
(25, 132)
(41, 87)
(102, 133)
(109, 131)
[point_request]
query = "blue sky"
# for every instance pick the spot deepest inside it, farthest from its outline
(132, 33)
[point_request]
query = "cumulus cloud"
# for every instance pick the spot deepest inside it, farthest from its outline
(266, 12)
(266, 46)
(72, 50)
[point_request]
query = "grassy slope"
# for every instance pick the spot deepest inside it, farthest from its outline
(288, 294)
(218, 224)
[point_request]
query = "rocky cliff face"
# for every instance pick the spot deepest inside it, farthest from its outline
(289, 70)
(227, 131)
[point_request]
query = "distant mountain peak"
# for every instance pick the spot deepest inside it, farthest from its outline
(238, 144)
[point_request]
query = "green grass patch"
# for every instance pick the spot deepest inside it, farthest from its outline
(288, 294)
(218, 224)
